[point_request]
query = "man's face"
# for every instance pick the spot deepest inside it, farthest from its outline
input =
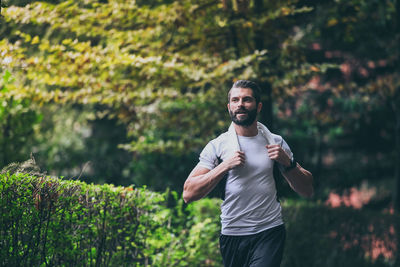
(242, 106)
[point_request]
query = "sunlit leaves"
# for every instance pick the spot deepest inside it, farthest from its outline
(162, 70)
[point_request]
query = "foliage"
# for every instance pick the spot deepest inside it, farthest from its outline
(150, 77)
(362, 38)
(160, 70)
(18, 118)
(321, 236)
(162, 170)
(67, 140)
(50, 221)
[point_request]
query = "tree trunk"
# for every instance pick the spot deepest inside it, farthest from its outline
(266, 114)
(396, 193)
(396, 109)
(258, 36)
(234, 38)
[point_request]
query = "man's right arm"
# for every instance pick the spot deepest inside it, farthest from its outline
(202, 180)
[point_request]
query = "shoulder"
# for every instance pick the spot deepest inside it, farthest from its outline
(222, 138)
(219, 143)
(279, 140)
(212, 153)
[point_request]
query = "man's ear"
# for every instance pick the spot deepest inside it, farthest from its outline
(259, 107)
(227, 106)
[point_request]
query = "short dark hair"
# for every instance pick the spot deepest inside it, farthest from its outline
(247, 84)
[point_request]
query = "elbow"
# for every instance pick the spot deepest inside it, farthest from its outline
(189, 198)
(309, 192)
(308, 189)
(187, 195)
(192, 191)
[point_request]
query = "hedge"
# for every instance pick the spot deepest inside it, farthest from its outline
(47, 221)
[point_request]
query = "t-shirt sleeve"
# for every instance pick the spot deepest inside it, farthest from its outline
(288, 151)
(208, 157)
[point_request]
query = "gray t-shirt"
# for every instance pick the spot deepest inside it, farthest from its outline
(250, 204)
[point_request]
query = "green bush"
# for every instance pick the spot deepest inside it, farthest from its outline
(49, 221)
(197, 244)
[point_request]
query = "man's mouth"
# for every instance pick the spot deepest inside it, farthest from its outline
(241, 112)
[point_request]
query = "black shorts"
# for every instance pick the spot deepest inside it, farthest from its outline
(264, 249)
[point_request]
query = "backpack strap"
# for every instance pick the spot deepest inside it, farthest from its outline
(278, 181)
(220, 187)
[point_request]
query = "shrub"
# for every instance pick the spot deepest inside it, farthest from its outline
(49, 221)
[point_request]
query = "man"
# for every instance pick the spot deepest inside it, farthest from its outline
(252, 232)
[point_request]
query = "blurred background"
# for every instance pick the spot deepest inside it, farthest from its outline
(129, 92)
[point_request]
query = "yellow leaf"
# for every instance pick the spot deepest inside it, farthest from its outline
(285, 11)
(35, 40)
(332, 22)
(27, 37)
(66, 41)
(314, 68)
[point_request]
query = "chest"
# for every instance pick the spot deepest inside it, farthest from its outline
(257, 161)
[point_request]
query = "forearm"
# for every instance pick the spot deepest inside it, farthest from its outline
(198, 186)
(300, 180)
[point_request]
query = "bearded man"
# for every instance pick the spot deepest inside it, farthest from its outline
(252, 228)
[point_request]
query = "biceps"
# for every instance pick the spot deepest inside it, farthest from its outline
(197, 171)
(195, 177)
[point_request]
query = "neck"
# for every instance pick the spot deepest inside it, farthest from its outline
(246, 131)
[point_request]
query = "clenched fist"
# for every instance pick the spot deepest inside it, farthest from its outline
(238, 159)
(276, 152)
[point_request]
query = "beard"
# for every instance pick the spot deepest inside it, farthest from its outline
(246, 121)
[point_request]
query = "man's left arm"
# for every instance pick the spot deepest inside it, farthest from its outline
(299, 179)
